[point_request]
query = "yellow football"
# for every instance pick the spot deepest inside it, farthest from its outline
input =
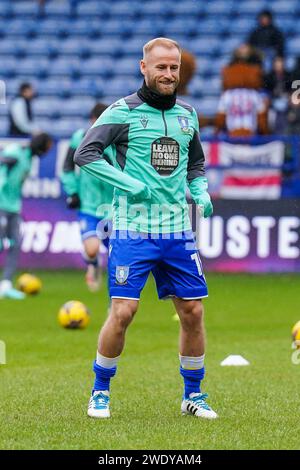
(29, 284)
(296, 334)
(73, 315)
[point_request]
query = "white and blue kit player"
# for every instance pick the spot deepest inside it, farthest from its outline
(158, 155)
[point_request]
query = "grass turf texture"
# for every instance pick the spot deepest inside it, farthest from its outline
(45, 385)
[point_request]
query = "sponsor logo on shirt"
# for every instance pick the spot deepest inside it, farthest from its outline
(144, 120)
(165, 155)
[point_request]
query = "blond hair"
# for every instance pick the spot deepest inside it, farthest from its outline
(165, 42)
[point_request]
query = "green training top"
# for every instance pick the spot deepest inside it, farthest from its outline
(15, 163)
(156, 151)
(95, 196)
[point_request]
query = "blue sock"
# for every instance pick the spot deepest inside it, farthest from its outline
(103, 376)
(192, 379)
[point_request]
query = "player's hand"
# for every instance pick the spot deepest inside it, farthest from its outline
(141, 194)
(73, 202)
(204, 205)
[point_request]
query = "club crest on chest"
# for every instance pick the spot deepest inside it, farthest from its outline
(184, 124)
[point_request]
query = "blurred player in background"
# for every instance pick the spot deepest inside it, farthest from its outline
(15, 164)
(158, 154)
(93, 200)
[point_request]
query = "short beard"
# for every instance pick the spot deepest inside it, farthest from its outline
(152, 85)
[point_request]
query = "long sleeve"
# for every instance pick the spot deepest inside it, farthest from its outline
(195, 168)
(196, 179)
(69, 178)
(196, 159)
(197, 187)
(109, 129)
(6, 164)
(199, 192)
(108, 174)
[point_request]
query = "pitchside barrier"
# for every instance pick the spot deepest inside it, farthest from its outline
(256, 221)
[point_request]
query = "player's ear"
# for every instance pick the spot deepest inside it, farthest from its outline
(142, 67)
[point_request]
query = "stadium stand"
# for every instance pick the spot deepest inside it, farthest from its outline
(77, 52)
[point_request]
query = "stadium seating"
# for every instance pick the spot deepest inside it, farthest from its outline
(24, 9)
(76, 52)
(92, 9)
(57, 8)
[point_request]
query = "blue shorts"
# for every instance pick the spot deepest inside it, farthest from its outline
(174, 262)
(91, 226)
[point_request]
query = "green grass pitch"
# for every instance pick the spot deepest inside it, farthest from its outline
(45, 385)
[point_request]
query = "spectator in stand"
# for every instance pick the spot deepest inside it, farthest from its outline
(277, 84)
(295, 73)
(267, 37)
(21, 122)
(293, 115)
(242, 111)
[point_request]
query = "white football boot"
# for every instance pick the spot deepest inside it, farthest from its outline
(196, 405)
(99, 405)
(8, 292)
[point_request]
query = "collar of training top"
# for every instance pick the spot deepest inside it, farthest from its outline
(156, 100)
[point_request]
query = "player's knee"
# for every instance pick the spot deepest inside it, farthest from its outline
(192, 314)
(91, 247)
(123, 312)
